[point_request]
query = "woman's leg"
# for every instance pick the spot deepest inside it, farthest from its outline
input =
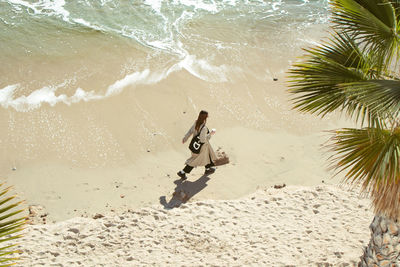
(209, 165)
(187, 169)
(209, 169)
(183, 172)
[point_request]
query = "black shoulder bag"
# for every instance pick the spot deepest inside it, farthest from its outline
(195, 145)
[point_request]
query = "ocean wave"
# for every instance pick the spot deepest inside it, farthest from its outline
(158, 24)
(195, 32)
(199, 68)
(41, 96)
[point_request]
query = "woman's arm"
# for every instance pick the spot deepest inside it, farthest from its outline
(188, 134)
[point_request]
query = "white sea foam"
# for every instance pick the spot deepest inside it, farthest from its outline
(203, 70)
(32, 101)
(45, 7)
(88, 24)
(6, 94)
(209, 6)
(276, 5)
(155, 4)
(134, 78)
(48, 95)
(199, 68)
(38, 97)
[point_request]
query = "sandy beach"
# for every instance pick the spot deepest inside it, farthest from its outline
(73, 166)
(94, 102)
(233, 217)
(322, 225)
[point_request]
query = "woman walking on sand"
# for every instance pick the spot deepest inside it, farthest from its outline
(202, 152)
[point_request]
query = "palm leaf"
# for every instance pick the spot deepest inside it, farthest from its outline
(10, 226)
(373, 23)
(380, 97)
(318, 80)
(370, 157)
(355, 72)
(340, 76)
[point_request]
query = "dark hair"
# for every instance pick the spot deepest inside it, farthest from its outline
(201, 119)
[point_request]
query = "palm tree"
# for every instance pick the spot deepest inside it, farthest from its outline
(10, 224)
(355, 72)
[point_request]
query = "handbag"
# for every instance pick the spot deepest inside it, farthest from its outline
(195, 145)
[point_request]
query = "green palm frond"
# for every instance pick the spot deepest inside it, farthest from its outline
(356, 73)
(319, 81)
(11, 223)
(380, 97)
(344, 50)
(373, 23)
(340, 76)
(371, 157)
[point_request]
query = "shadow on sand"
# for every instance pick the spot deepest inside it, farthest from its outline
(184, 191)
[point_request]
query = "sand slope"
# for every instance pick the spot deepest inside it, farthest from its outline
(323, 225)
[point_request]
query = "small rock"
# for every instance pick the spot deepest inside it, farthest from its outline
(74, 230)
(98, 216)
(37, 214)
(14, 168)
(55, 254)
(279, 186)
(122, 196)
(148, 150)
(275, 79)
(130, 259)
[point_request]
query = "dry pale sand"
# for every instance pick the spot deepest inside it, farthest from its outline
(322, 225)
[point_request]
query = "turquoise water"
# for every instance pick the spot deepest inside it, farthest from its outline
(68, 51)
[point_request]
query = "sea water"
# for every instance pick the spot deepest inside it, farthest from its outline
(59, 52)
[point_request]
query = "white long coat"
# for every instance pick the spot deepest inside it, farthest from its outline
(207, 153)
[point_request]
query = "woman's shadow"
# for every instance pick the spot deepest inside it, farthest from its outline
(184, 191)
